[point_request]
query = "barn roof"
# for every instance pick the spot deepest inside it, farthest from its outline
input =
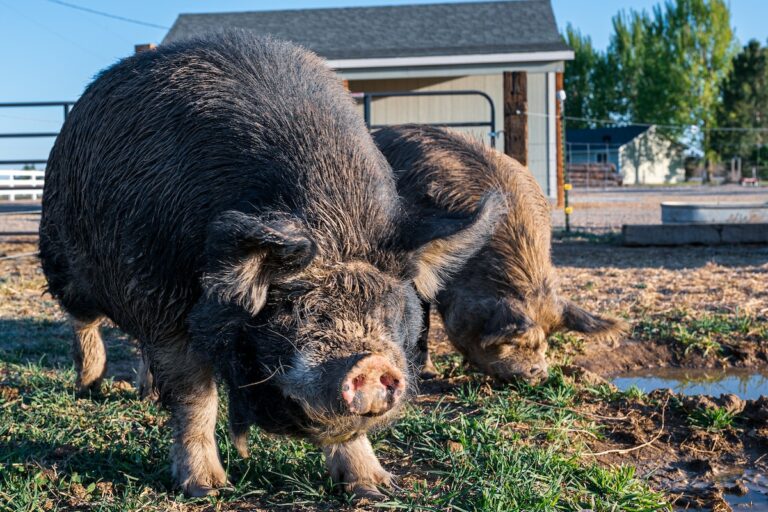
(399, 31)
(615, 136)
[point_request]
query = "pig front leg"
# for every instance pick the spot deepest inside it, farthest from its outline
(354, 465)
(427, 369)
(188, 389)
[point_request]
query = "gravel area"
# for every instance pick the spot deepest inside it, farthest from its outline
(12, 221)
(608, 210)
(593, 210)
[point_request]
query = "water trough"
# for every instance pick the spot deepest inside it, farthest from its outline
(713, 213)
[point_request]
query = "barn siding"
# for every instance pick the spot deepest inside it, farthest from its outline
(461, 108)
(436, 109)
(538, 150)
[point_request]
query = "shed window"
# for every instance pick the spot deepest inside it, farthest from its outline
(602, 158)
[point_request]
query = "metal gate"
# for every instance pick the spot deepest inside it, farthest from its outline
(368, 97)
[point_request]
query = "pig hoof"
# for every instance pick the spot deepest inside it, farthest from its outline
(208, 486)
(149, 395)
(198, 491)
(354, 465)
(369, 488)
(83, 389)
(368, 492)
(200, 476)
(240, 440)
(428, 372)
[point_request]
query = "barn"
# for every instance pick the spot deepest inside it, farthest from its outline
(509, 51)
(640, 154)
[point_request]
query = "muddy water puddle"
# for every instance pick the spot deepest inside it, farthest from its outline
(746, 384)
(746, 490)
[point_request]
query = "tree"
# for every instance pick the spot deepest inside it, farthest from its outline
(666, 67)
(697, 51)
(744, 104)
(588, 82)
(578, 78)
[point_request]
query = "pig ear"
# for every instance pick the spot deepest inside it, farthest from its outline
(442, 243)
(246, 253)
(577, 319)
(505, 321)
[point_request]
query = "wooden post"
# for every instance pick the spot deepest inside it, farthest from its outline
(345, 83)
(516, 115)
(559, 86)
(138, 48)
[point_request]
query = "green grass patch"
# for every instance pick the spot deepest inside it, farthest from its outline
(711, 419)
(484, 449)
(706, 333)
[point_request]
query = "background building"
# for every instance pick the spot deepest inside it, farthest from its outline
(511, 51)
(641, 154)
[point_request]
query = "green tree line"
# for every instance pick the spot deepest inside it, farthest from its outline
(678, 66)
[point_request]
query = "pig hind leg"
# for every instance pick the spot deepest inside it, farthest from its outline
(427, 368)
(146, 381)
(188, 389)
(89, 353)
(354, 465)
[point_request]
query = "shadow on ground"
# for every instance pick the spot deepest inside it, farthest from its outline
(48, 344)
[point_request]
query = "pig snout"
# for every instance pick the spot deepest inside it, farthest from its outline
(372, 387)
(535, 374)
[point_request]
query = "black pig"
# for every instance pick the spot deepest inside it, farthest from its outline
(222, 201)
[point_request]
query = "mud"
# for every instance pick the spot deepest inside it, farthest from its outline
(657, 289)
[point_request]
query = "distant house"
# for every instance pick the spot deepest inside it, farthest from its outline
(510, 50)
(642, 154)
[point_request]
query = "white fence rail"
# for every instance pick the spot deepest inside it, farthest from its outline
(18, 183)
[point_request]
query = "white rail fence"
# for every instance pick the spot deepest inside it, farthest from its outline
(18, 183)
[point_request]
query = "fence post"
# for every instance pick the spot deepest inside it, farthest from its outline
(516, 115)
(367, 109)
(560, 134)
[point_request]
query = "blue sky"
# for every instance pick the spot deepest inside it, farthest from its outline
(50, 52)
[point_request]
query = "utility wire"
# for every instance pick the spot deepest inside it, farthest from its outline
(54, 32)
(108, 15)
(648, 125)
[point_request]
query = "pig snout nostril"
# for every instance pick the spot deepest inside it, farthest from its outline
(537, 373)
(372, 387)
(391, 384)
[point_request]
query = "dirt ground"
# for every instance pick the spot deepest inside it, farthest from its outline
(593, 209)
(719, 295)
(660, 286)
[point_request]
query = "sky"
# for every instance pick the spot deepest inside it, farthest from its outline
(50, 52)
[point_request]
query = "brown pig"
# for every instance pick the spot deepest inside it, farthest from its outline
(500, 308)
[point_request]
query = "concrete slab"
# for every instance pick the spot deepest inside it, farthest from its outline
(694, 234)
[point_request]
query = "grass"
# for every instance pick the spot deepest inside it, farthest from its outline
(714, 419)
(478, 448)
(704, 333)
(469, 447)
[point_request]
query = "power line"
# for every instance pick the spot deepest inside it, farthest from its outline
(108, 15)
(648, 125)
(54, 32)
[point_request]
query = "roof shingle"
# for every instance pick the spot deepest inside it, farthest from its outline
(515, 26)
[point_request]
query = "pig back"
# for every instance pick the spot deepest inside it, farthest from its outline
(164, 141)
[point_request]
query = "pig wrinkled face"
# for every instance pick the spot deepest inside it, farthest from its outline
(347, 332)
(332, 337)
(507, 338)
